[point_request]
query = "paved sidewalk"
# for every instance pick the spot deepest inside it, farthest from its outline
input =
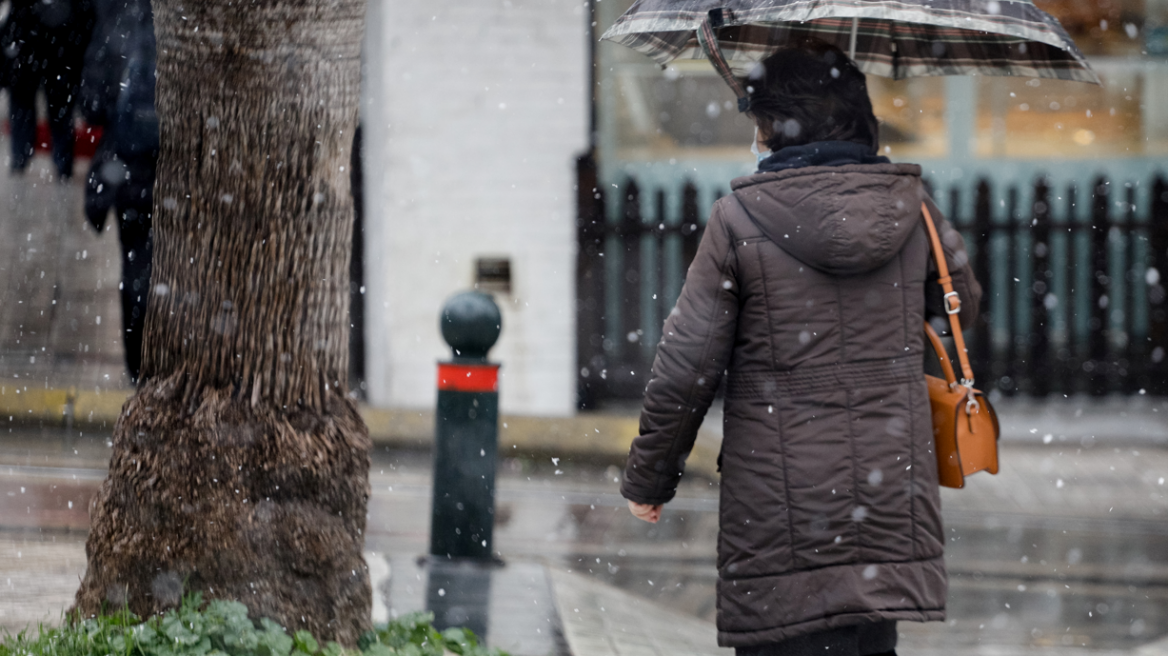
(60, 315)
(579, 616)
(600, 620)
(38, 579)
(1066, 551)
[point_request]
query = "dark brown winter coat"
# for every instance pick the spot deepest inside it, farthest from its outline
(808, 293)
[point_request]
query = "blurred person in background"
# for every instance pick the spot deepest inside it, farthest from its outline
(117, 93)
(809, 292)
(44, 43)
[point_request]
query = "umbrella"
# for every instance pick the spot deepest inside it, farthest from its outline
(890, 38)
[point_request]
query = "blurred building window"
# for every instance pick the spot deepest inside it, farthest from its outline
(912, 116)
(1037, 119)
(1101, 27)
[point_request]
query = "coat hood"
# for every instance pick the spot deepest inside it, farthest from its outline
(842, 220)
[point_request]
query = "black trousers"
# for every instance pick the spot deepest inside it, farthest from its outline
(872, 639)
(62, 84)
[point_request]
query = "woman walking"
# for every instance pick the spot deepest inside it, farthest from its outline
(808, 293)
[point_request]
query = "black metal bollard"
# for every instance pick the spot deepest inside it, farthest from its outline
(466, 433)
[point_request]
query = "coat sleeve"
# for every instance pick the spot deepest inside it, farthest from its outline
(693, 354)
(960, 269)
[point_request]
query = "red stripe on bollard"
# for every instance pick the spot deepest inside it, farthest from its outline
(468, 377)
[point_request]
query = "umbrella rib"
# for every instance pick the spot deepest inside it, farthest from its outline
(852, 41)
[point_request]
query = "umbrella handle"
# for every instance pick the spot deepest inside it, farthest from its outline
(709, 42)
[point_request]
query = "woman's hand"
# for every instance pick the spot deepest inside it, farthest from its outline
(645, 512)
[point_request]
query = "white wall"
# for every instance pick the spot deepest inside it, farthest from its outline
(474, 113)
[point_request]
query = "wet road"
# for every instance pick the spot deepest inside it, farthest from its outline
(1066, 548)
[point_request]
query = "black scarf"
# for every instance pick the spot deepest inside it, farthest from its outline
(820, 153)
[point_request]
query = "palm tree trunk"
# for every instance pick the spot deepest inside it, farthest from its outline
(240, 468)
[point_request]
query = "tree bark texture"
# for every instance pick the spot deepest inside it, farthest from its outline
(240, 468)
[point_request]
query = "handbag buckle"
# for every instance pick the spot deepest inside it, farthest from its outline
(952, 303)
(971, 403)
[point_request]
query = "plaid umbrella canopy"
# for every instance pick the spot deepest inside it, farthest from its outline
(890, 38)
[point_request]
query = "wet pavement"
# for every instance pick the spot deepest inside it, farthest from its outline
(1066, 550)
(61, 315)
(512, 603)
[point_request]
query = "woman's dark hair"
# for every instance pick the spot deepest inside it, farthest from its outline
(811, 93)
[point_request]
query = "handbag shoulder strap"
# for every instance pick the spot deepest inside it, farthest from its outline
(951, 300)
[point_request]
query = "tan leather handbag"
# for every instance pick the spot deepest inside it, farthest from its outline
(965, 426)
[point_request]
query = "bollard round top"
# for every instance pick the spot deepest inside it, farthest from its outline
(471, 323)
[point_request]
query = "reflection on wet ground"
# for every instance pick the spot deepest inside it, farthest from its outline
(509, 603)
(1029, 565)
(1098, 604)
(1096, 578)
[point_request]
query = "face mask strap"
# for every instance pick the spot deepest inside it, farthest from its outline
(761, 155)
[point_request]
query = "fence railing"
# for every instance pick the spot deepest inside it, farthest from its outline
(1074, 298)
(1075, 302)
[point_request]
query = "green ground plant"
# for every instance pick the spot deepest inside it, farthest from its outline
(223, 628)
